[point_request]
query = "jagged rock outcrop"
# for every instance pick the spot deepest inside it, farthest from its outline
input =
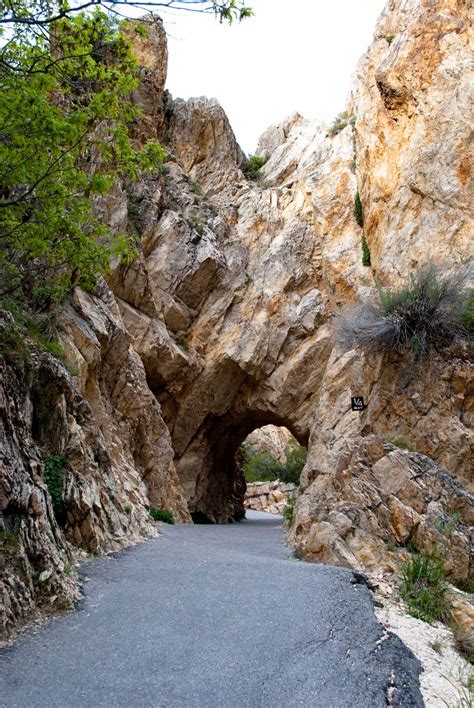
(412, 149)
(413, 102)
(116, 448)
(375, 497)
(223, 323)
(31, 542)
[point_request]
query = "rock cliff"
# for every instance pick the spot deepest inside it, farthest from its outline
(271, 440)
(223, 324)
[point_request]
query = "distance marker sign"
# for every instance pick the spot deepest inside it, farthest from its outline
(357, 403)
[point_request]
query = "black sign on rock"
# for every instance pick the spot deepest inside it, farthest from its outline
(357, 403)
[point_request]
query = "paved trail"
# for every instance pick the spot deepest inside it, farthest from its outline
(217, 617)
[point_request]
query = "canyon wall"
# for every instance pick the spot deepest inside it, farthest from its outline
(223, 324)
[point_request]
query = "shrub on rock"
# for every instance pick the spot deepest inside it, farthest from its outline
(430, 313)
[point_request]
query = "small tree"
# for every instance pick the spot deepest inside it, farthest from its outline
(295, 461)
(67, 73)
(260, 466)
(36, 14)
(64, 117)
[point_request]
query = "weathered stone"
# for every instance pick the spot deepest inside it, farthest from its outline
(371, 498)
(223, 324)
(272, 440)
(463, 614)
(268, 496)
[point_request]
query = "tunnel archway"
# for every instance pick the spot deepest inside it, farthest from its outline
(218, 495)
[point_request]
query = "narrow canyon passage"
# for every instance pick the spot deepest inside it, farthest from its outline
(213, 615)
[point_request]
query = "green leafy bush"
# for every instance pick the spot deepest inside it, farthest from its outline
(53, 477)
(262, 467)
(426, 315)
(289, 510)
(389, 38)
(424, 587)
(12, 342)
(28, 324)
(252, 166)
(161, 515)
(295, 461)
(65, 109)
(340, 122)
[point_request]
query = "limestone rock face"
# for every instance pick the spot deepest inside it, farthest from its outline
(112, 377)
(106, 427)
(31, 542)
(414, 105)
(204, 143)
(412, 148)
(224, 321)
(272, 440)
(376, 497)
(271, 497)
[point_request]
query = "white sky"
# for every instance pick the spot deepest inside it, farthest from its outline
(294, 55)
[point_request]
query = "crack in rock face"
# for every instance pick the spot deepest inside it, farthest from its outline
(223, 324)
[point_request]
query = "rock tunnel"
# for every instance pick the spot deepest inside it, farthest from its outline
(211, 468)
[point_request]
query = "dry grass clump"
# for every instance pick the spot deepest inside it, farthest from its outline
(431, 313)
(464, 640)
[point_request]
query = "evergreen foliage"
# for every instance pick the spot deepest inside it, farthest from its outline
(365, 252)
(295, 461)
(53, 477)
(358, 213)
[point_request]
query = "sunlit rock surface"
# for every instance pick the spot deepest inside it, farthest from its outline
(272, 440)
(223, 324)
(271, 497)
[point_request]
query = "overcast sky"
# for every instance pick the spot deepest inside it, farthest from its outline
(294, 55)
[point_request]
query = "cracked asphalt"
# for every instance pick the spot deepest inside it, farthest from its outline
(218, 617)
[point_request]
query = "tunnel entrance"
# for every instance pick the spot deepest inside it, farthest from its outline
(214, 466)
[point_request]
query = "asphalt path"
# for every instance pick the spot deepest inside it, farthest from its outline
(213, 616)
